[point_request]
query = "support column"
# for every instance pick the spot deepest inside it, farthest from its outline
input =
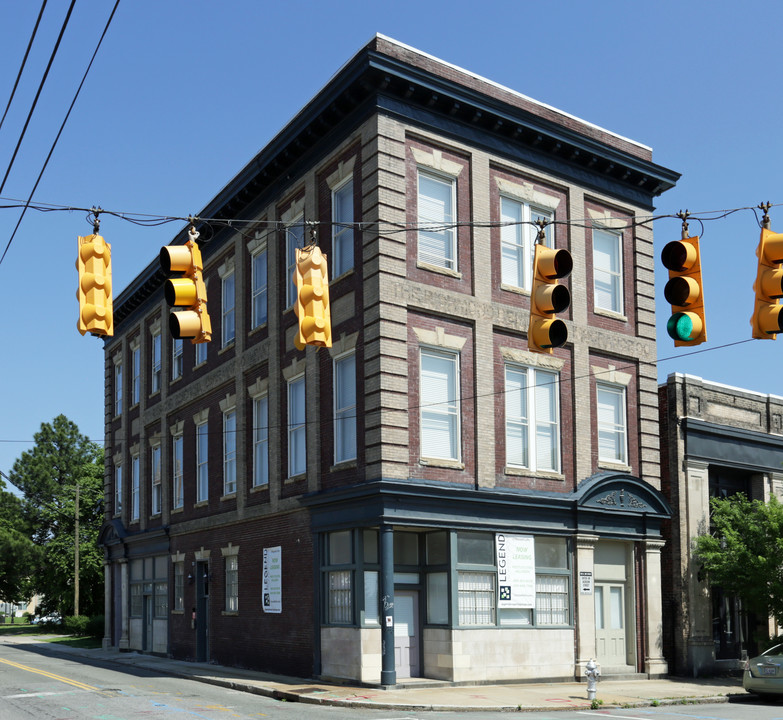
(654, 663)
(107, 595)
(388, 671)
(124, 643)
(585, 603)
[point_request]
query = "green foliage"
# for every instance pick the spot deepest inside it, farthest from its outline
(76, 624)
(744, 553)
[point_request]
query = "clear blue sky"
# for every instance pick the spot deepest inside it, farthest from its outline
(184, 92)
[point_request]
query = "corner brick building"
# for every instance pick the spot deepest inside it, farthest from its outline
(426, 498)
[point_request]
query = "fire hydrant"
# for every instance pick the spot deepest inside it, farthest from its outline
(593, 673)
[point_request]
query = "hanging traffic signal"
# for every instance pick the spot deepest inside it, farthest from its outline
(312, 299)
(548, 297)
(767, 318)
(188, 291)
(684, 291)
(93, 262)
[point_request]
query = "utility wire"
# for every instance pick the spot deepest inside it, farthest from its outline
(62, 127)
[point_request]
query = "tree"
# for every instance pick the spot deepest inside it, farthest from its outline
(18, 554)
(744, 552)
(61, 464)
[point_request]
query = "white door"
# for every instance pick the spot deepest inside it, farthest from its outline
(406, 635)
(610, 623)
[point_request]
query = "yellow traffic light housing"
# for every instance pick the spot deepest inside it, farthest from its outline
(548, 297)
(767, 318)
(312, 299)
(684, 291)
(188, 291)
(96, 313)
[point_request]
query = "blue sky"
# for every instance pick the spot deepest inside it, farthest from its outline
(184, 92)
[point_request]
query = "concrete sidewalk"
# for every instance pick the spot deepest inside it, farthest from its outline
(423, 694)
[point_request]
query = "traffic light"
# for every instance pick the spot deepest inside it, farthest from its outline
(548, 297)
(96, 314)
(312, 299)
(188, 291)
(767, 318)
(684, 291)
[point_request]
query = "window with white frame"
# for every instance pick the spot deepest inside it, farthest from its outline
(176, 358)
(612, 426)
(229, 330)
(342, 228)
(201, 353)
(297, 432)
(532, 419)
(202, 459)
(135, 488)
(439, 404)
(553, 598)
(436, 204)
(179, 587)
(117, 489)
(135, 375)
(117, 388)
(156, 490)
(294, 238)
(177, 475)
(232, 583)
(518, 241)
(156, 361)
(260, 441)
(258, 292)
(229, 452)
(345, 408)
(608, 270)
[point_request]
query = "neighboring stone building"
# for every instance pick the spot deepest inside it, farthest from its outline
(716, 441)
(426, 497)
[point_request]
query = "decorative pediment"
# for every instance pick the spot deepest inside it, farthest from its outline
(617, 492)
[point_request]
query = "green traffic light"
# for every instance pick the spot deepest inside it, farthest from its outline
(680, 327)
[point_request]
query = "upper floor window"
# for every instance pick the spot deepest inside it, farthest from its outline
(532, 419)
(518, 240)
(608, 270)
(439, 402)
(294, 238)
(177, 475)
(345, 408)
(157, 494)
(297, 429)
(156, 361)
(201, 353)
(176, 358)
(117, 489)
(136, 375)
(135, 489)
(229, 330)
(118, 389)
(260, 441)
(342, 229)
(229, 452)
(202, 459)
(258, 265)
(437, 235)
(612, 427)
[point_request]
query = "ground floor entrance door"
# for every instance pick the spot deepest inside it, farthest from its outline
(406, 633)
(610, 623)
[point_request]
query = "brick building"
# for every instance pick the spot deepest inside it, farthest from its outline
(426, 497)
(716, 441)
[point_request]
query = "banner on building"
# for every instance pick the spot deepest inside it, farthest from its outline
(516, 560)
(273, 580)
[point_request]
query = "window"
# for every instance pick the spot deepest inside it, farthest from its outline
(607, 270)
(297, 434)
(176, 358)
(135, 508)
(439, 399)
(156, 358)
(117, 489)
(260, 441)
(342, 229)
(345, 408)
(552, 580)
(294, 238)
(136, 375)
(117, 389)
(612, 444)
(179, 587)
(259, 287)
(476, 594)
(339, 590)
(229, 452)
(532, 422)
(161, 599)
(201, 353)
(232, 583)
(437, 236)
(517, 241)
(228, 309)
(202, 476)
(156, 486)
(177, 494)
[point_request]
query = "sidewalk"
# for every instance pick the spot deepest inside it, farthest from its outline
(427, 695)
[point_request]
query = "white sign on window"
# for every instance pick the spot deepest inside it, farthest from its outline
(516, 560)
(273, 580)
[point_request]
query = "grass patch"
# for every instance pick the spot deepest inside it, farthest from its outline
(84, 641)
(27, 629)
